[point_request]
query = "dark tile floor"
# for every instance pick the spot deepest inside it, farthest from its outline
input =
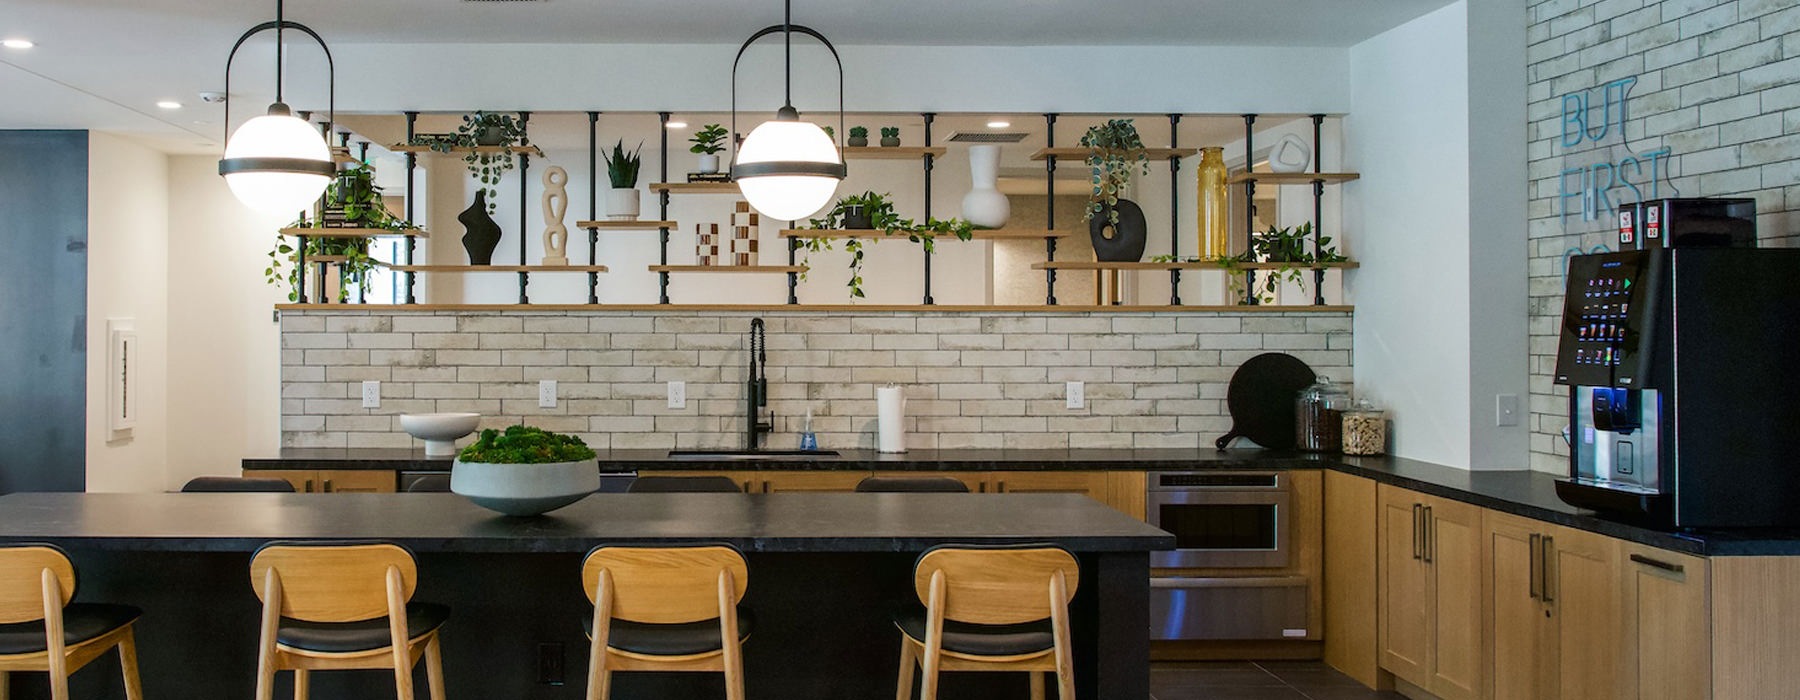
(1260, 680)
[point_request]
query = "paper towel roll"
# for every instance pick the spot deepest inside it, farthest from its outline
(890, 412)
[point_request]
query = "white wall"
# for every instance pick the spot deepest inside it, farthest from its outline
(224, 367)
(128, 249)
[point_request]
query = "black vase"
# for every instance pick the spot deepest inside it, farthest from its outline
(482, 234)
(1128, 236)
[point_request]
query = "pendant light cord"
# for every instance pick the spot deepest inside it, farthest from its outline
(787, 70)
(280, 24)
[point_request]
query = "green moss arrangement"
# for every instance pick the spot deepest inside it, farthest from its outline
(525, 445)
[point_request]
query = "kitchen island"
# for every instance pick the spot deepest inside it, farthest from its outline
(825, 572)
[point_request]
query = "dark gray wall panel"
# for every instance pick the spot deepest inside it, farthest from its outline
(43, 310)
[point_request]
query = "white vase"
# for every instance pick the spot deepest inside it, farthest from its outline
(524, 489)
(984, 206)
(622, 204)
(709, 163)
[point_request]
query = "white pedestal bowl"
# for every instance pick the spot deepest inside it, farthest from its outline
(440, 431)
(524, 489)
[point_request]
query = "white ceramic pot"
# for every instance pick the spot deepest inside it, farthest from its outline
(1290, 155)
(440, 431)
(622, 204)
(524, 489)
(984, 206)
(709, 163)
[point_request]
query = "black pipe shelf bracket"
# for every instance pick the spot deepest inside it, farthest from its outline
(1318, 188)
(1174, 208)
(1250, 298)
(412, 162)
(662, 205)
(593, 213)
(929, 162)
(524, 207)
(1050, 207)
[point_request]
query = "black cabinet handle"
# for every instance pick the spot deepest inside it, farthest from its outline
(1658, 564)
(1425, 524)
(1548, 566)
(1415, 532)
(1537, 583)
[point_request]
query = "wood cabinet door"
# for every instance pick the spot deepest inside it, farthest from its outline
(1091, 484)
(1453, 557)
(1519, 625)
(811, 481)
(1581, 589)
(1404, 630)
(304, 480)
(356, 481)
(1666, 626)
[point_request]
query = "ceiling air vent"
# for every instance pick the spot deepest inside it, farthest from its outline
(988, 137)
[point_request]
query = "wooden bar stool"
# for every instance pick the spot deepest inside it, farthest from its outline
(335, 606)
(40, 630)
(666, 609)
(990, 609)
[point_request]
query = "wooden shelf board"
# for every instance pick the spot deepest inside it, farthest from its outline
(341, 154)
(729, 268)
(1294, 178)
(822, 308)
(1080, 153)
(405, 148)
(310, 259)
(353, 232)
(695, 187)
(1001, 234)
(627, 225)
(498, 268)
(1351, 265)
(1185, 265)
(895, 153)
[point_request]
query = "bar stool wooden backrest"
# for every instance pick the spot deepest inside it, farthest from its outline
(665, 585)
(332, 582)
(994, 586)
(36, 582)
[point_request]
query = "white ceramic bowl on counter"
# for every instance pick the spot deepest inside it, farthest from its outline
(440, 431)
(524, 489)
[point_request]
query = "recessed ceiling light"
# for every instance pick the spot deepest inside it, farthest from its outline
(999, 124)
(677, 125)
(17, 43)
(169, 104)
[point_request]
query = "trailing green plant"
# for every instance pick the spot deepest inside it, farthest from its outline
(886, 223)
(622, 167)
(1114, 151)
(355, 191)
(1290, 248)
(890, 132)
(522, 444)
(859, 132)
(709, 140)
(487, 167)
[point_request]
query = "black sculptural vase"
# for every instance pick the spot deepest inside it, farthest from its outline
(482, 234)
(1122, 242)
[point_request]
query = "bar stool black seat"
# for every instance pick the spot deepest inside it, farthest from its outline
(683, 484)
(430, 483)
(236, 484)
(911, 484)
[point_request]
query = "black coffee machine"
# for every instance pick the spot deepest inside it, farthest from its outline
(1684, 409)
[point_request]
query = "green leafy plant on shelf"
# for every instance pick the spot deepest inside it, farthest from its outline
(1114, 151)
(886, 223)
(622, 167)
(356, 193)
(523, 444)
(709, 140)
(1290, 248)
(483, 129)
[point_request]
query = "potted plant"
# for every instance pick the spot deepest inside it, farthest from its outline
(524, 471)
(483, 129)
(622, 169)
(879, 211)
(859, 136)
(1291, 248)
(1114, 151)
(708, 142)
(356, 194)
(890, 136)
(859, 211)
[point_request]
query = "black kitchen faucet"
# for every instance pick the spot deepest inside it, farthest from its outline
(756, 389)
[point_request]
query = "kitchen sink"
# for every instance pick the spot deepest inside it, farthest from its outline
(751, 455)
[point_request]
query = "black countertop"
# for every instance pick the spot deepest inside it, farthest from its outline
(428, 522)
(1524, 493)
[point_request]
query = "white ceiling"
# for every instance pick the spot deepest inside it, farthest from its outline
(102, 64)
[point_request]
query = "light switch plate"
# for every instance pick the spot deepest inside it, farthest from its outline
(677, 394)
(371, 394)
(547, 393)
(1075, 394)
(1506, 410)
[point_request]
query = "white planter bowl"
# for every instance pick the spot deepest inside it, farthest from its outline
(440, 431)
(524, 489)
(622, 204)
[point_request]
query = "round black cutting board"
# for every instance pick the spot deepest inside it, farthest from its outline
(1261, 400)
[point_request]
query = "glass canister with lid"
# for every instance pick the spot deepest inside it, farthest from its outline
(1365, 429)
(1318, 417)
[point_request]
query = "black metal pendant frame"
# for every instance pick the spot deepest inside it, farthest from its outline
(787, 29)
(280, 24)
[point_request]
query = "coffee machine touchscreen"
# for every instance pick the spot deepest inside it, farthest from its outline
(1605, 319)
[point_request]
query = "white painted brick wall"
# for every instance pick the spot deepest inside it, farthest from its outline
(1718, 83)
(973, 379)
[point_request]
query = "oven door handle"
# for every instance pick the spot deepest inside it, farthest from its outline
(1227, 581)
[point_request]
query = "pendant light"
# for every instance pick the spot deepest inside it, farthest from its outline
(788, 169)
(277, 162)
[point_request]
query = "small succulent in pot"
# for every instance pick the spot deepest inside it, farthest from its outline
(859, 136)
(622, 170)
(890, 136)
(708, 142)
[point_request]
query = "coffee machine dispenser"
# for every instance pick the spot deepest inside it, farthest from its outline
(1684, 408)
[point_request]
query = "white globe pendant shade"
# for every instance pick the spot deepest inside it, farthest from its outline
(277, 163)
(793, 169)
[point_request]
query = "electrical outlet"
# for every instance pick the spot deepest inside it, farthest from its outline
(371, 394)
(547, 393)
(551, 666)
(1506, 410)
(677, 394)
(1076, 394)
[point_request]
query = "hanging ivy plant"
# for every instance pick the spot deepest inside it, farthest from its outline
(886, 223)
(483, 129)
(1114, 151)
(356, 192)
(1290, 247)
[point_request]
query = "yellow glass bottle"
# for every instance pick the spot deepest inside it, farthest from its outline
(1215, 205)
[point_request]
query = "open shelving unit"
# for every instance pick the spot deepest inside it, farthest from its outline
(1317, 179)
